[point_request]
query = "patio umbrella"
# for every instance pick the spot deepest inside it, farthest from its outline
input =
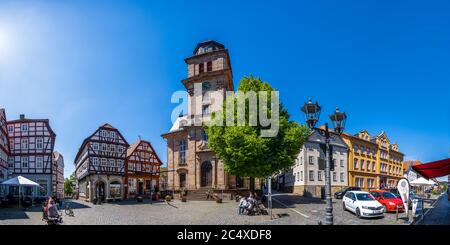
(422, 182)
(19, 181)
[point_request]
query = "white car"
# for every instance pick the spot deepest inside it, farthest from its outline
(363, 204)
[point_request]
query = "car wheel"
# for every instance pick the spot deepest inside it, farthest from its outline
(343, 207)
(358, 214)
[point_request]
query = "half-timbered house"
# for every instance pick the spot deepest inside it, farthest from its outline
(142, 170)
(100, 164)
(31, 142)
(4, 149)
(58, 175)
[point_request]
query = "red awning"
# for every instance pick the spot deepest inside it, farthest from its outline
(434, 169)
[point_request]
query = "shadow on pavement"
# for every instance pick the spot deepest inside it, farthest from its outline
(8, 214)
(135, 202)
(75, 205)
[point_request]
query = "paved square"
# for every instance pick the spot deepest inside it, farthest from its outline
(288, 210)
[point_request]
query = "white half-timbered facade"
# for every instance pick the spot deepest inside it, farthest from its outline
(32, 143)
(100, 164)
(142, 170)
(4, 150)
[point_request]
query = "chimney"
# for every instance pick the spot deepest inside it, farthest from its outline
(22, 116)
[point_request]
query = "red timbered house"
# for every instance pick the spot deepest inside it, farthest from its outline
(100, 164)
(31, 142)
(4, 150)
(142, 170)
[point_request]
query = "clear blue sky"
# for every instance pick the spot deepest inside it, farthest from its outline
(81, 64)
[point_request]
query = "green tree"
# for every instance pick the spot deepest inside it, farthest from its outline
(68, 184)
(242, 149)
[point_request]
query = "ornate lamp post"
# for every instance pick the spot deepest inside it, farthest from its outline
(312, 115)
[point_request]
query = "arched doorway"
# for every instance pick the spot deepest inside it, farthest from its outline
(206, 174)
(100, 190)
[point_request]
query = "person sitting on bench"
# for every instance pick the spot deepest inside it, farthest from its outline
(251, 203)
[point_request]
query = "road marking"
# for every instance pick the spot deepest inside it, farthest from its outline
(304, 215)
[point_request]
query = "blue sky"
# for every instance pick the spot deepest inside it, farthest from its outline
(81, 64)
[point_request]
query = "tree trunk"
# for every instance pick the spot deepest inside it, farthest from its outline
(252, 184)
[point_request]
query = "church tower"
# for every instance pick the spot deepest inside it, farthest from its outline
(196, 167)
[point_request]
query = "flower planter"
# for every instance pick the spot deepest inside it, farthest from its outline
(219, 200)
(183, 199)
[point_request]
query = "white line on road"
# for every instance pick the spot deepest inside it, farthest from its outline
(295, 210)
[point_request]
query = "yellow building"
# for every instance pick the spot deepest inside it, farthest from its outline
(373, 161)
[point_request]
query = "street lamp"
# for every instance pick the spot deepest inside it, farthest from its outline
(312, 115)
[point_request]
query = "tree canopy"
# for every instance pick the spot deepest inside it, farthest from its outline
(242, 149)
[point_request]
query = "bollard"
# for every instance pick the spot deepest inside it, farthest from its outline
(396, 214)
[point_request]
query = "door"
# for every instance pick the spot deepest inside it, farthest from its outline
(101, 191)
(141, 187)
(206, 174)
(348, 200)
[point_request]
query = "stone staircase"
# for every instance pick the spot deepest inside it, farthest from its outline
(198, 195)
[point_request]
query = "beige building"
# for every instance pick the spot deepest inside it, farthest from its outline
(195, 165)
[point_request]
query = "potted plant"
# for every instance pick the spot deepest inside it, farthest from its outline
(217, 198)
(168, 198)
(140, 199)
(183, 195)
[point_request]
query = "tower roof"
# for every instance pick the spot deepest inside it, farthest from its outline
(208, 44)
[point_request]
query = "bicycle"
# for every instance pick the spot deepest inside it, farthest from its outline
(68, 210)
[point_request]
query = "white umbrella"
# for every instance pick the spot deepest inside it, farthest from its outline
(20, 181)
(422, 182)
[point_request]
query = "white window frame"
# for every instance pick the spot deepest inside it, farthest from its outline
(311, 174)
(39, 162)
(24, 161)
(39, 143)
(24, 144)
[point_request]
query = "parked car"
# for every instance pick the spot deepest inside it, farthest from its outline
(393, 191)
(363, 204)
(412, 195)
(340, 194)
(389, 200)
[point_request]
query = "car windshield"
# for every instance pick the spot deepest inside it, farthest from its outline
(364, 197)
(388, 195)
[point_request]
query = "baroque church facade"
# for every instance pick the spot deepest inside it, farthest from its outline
(194, 165)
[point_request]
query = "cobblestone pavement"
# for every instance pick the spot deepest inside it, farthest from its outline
(287, 209)
(313, 211)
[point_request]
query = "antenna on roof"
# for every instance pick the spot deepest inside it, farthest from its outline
(139, 137)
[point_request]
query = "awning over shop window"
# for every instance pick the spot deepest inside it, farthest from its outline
(434, 169)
